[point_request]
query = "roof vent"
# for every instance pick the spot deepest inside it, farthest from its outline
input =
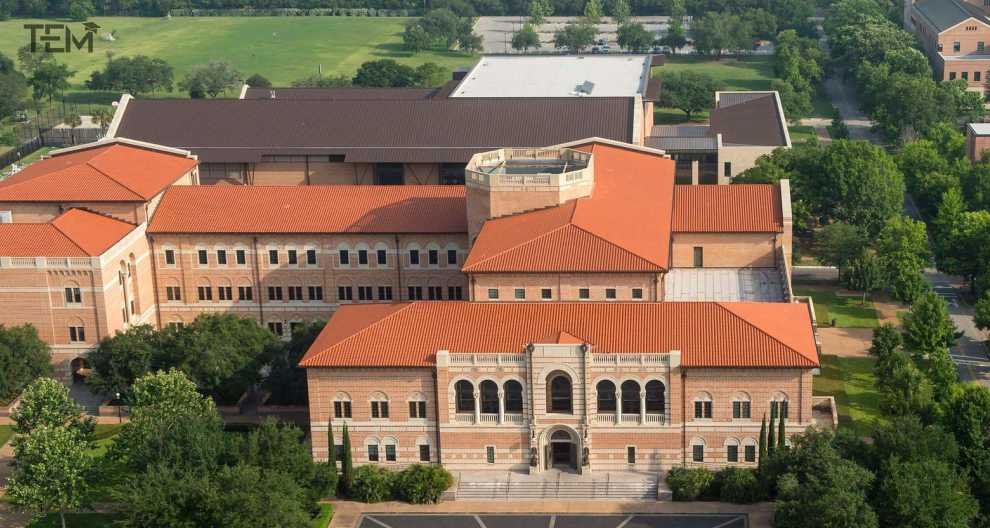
(271, 94)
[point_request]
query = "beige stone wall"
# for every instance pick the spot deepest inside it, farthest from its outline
(42, 212)
(725, 250)
(31, 213)
(566, 286)
(739, 159)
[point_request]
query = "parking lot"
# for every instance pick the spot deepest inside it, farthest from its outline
(484, 520)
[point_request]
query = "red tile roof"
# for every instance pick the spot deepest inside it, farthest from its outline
(75, 233)
(623, 226)
(708, 334)
(312, 209)
(738, 208)
(115, 172)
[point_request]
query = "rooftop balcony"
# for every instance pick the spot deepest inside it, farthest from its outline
(535, 168)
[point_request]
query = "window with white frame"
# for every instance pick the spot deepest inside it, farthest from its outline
(703, 406)
(417, 406)
(749, 450)
(732, 450)
(741, 406)
(423, 446)
(778, 406)
(169, 257)
(391, 449)
(490, 454)
(342, 405)
(379, 405)
(371, 445)
(698, 450)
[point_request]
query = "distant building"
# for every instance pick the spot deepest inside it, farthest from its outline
(742, 127)
(954, 34)
(977, 141)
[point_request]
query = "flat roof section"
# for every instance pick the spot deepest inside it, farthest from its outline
(724, 284)
(557, 76)
(980, 129)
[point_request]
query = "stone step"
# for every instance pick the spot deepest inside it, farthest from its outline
(562, 490)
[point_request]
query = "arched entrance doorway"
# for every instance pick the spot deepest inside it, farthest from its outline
(562, 450)
(80, 369)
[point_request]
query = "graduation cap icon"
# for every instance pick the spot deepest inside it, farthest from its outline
(91, 27)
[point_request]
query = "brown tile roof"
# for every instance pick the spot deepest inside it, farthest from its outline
(708, 334)
(436, 130)
(104, 173)
(748, 120)
(623, 226)
(312, 209)
(737, 208)
(74, 233)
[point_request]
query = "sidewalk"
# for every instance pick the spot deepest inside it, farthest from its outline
(347, 514)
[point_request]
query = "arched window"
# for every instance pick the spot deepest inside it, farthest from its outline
(489, 396)
(559, 396)
(513, 396)
(698, 450)
(342, 405)
(379, 405)
(732, 450)
(371, 444)
(464, 396)
(391, 449)
(655, 399)
(703, 406)
(741, 406)
(778, 406)
(606, 396)
(630, 397)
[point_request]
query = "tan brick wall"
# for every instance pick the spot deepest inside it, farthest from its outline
(566, 286)
(724, 250)
(976, 146)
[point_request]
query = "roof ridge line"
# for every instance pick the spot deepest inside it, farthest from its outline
(89, 163)
(67, 237)
(517, 246)
(722, 305)
(613, 244)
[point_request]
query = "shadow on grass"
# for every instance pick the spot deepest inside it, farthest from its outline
(851, 382)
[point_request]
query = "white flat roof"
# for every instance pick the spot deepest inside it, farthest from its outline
(557, 76)
(980, 129)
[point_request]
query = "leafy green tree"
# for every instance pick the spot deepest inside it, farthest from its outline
(346, 464)
(593, 11)
(967, 417)
(372, 484)
(137, 75)
(926, 173)
(981, 314)
(415, 38)
(923, 493)
(539, 10)
(212, 79)
(321, 81)
(771, 434)
(886, 342)
(841, 244)
(858, 183)
(422, 483)
(761, 23)
(247, 500)
(13, 87)
(739, 485)
(32, 60)
(797, 103)
(258, 81)
(46, 402)
(24, 357)
(927, 327)
(120, 359)
(910, 440)
(52, 470)
(385, 73)
(950, 142)
(763, 440)
(634, 37)
(441, 25)
(676, 36)
(904, 389)
(689, 91)
(80, 10)
(620, 11)
(49, 79)
(902, 247)
(782, 433)
(575, 37)
(286, 381)
(865, 274)
(431, 74)
(525, 38)
(716, 32)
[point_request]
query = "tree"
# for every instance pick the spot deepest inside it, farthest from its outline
(858, 183)
(430, 74)
(675, 37)
(761, 23)
(286, 381)
(763, 439)
(49, 79)
(32, 60)
(258, 81)
(539, 10)
(469, 42)
(24, 357)
(864, 273)
(51, 471)
(982, 312)
(904, 389)
(575, 37)
(689, 91)
(346, 463)
(797, 103)
(103, 117)
(923, 493)
(634, 37)
(319, 81)
(782, 433)
(967, 417)
(415, 38)
(927, 327)
(841, 244)
(620, 11)
(525, 38)
(46, 402)
(13, 87)
(212, 79)
(80, 10)
(771, 434)
(443, 25)
(902, 247)
(593, 11)
(73, 121)
(120, 359)
(384, 73)
(926, 174)
(910, 440)
(716, 32)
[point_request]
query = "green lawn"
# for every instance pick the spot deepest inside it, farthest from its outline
(76, 520)
(801, 133)
(749, 73)
(323, 519)
(282, 49)
(848, 312)
(6, 432)
(850, 380)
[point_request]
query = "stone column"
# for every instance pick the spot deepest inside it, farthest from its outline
(694, 172)
(501, 407)
(618, 406)
(477, 407)
(642, 406)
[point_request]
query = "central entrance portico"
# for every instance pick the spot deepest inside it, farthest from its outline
(561, 449)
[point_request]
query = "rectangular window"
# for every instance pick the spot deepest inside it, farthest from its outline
(493, 293)
(740, 409)
(414, 257)
(702, 409)
(274, 293)
(225, 293)
(584, 293)
(452, 256)
(434, 293)
(698, 453)
(222, 257)
(342, 409)
(778, 409)
(637, 293)
(384, 293)
(173, 293)
(311, 257)
(345, 293)
(293, 257)
(965, 76)
(519, 293)
(344, 257)
(379, 409)
(699, 257)
(955, 47)
(424, 453)
(273, 256)
(295, 293)
(455, 293)
(205, 293)
(203, 258)
(316, 293)
(546, 294)
(364, 293)
(390, 453)
(73, 295)
(417, 409)
(170, 257)
(294, 327)
(372, 453)
(631, 454)
(979, 47)
(240, 256)
(728, 169)
(382, 257)
(245, 293)
(415, 293)
(490, 454)
(976, 76)
(276, 328)
(610, 293)
(363, 257)
(750, 453)
(433, 257)
(77, 334)
(952, 76)
(732, 453)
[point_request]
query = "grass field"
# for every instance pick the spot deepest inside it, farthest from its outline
(851, 382)
(282, 49)
(848, 312)
(6, 432)
(323, 519)
(801, 133)
(77, 520)
(749, 73)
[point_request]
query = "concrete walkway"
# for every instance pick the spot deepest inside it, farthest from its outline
(346, 514)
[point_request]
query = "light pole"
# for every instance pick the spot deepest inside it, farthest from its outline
(119, 417)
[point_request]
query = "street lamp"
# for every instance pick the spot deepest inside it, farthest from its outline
(119, 417)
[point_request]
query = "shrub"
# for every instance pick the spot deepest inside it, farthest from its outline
(422, 483)
(739, 485)
(689, 484)
(372, 484)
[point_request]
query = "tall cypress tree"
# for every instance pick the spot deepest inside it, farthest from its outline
(763, 439)
(781, 433)
(771, 441)
(346, 463)
(331, 448)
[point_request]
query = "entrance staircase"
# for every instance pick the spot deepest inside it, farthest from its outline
(560, 485)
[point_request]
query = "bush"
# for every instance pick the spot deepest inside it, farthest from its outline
(422, 483)
(739, 485)
(24, 357)
(372, 484)
(689, 484)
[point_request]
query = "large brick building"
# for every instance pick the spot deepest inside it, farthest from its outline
(954, 34)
